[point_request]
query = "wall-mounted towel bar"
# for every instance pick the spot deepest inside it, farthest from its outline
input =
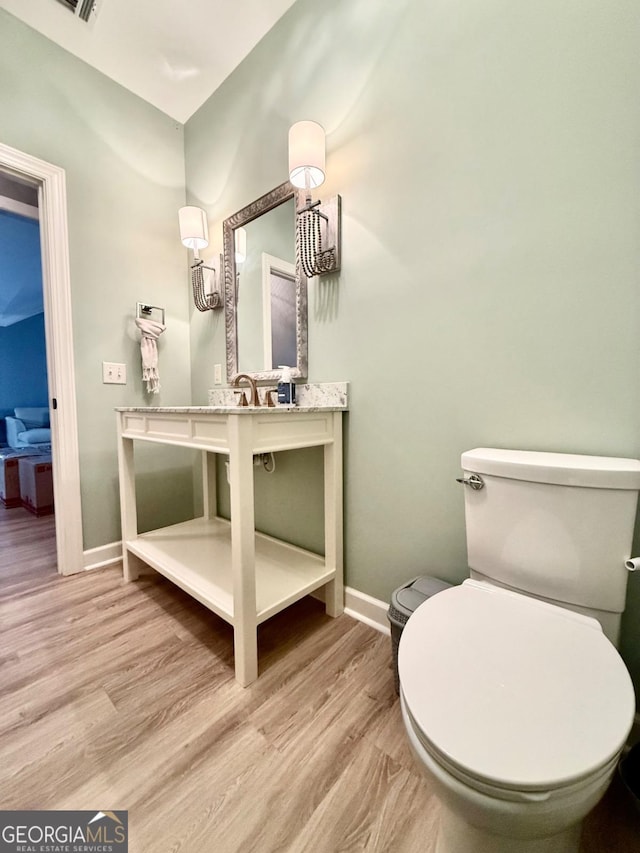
(144, 310)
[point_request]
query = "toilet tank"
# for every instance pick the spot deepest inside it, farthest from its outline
(553, 525)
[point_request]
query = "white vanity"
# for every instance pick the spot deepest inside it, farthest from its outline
(243, 576)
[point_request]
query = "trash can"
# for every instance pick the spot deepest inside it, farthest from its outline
(629, 770)
(404, 601)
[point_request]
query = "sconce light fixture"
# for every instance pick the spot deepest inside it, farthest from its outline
(194, 234)
(317, 224)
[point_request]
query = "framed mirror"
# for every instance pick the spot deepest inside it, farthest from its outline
(265, 289)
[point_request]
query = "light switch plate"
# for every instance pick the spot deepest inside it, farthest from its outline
(217, 374)
(114, 373)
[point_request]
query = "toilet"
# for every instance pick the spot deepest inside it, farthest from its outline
(515, 700)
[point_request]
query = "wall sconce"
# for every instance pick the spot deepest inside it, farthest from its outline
(194, 234)
(317, 225)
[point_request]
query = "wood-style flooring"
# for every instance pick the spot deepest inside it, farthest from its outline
(117, 696)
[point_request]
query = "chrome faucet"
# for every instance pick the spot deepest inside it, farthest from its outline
(255, 400)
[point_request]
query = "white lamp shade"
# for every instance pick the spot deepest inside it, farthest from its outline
(306, 154)
(240, 236)
(194, 231)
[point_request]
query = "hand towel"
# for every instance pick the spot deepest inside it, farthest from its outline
(150, 331)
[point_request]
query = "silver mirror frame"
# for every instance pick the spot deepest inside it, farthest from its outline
(252, 211)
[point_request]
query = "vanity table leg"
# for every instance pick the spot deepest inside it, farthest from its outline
(243, 555)
(209, 485)
(128, 511)
(333, 536)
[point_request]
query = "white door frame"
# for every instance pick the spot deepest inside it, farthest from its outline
(54, 242)
(271, 264)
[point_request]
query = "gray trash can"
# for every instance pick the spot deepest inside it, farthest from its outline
(404, 601)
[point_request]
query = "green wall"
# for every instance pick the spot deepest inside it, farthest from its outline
(487, 158)
(124, 164)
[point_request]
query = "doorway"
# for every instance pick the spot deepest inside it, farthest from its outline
(49, 180)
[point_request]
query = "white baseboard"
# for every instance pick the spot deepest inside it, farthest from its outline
(364, 608)
(367, 609)
(104, 555)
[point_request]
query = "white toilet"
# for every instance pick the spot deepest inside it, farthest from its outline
(516, 703)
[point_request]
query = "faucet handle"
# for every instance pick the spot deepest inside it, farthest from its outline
(242, 399)
(268, 399)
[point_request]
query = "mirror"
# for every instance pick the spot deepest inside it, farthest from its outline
(266, 293)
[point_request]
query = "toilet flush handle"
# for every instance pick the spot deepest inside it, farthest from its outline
(475, 482)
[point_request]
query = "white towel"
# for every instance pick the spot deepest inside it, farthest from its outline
(150, 331)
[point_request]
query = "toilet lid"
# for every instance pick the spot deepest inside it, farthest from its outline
(511, 690)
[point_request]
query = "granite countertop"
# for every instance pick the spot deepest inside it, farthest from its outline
(228, 410)
(311, 397)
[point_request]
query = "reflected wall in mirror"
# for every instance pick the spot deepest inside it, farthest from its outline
(266, 294)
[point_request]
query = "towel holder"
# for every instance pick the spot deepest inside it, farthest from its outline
(142, 309)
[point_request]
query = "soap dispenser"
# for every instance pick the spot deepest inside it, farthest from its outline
(286, 388)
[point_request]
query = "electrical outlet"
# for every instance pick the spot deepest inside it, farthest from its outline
(217, 374)
(113, 373)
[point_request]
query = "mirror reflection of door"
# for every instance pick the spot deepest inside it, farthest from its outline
(271, 234)
(279, 312)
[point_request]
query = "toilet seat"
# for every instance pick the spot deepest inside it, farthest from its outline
(510, 793)
(512, 694)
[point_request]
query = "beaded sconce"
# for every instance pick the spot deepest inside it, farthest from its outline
(194, 233)
(317, 223)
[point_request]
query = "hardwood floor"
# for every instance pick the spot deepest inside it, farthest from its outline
(119, 696)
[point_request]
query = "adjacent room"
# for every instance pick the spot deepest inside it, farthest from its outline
(26, 481)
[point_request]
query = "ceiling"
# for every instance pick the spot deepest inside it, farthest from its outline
(172, 53)
(171, 59)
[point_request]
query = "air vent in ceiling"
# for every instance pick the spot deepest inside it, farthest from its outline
(83, 9)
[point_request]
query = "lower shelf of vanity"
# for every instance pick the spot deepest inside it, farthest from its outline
(196, 556)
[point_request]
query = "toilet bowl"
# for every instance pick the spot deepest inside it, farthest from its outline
(517, 711)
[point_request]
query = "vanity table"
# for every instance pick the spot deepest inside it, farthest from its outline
(243, 576)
